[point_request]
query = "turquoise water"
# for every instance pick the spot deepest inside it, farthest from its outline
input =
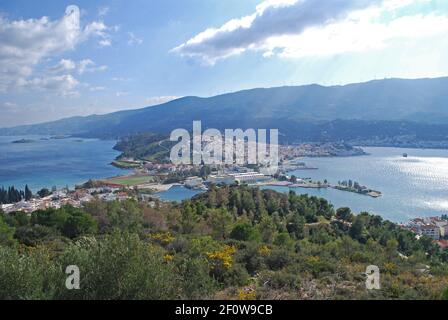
(413, 186)
(178, 194)
(47, 163)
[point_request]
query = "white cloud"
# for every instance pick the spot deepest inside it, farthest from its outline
(64, 65)
(133, 39)
(64, 85)
(105, 43)
(26, 43)
(299, 28)
(88, 65)
(356, 36)
(81, 67)
(153, 101)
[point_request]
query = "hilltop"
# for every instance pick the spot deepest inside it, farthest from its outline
(391, 107)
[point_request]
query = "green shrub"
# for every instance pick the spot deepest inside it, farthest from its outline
(245, 232)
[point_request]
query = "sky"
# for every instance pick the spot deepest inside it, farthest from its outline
(69, 58)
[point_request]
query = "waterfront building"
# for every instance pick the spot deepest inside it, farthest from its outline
(225, 179)
(250, 177)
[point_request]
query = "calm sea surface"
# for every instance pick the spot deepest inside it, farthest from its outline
(178, 194)
(413, 186)
(47, 163)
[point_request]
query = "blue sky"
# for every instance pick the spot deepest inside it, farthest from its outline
(119, 54)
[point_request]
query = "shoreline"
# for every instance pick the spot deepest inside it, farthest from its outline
(372, 193)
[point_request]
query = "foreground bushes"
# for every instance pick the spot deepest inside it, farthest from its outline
(118, 266)
(231, 243)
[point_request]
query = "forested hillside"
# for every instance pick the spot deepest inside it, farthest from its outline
(381, 109)
(230, 243)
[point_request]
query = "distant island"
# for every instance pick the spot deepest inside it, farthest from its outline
(59, 137)
(23, 141)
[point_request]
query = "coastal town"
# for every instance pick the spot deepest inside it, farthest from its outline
(435, 228)
(146, 180)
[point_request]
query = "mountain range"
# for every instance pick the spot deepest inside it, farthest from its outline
(311, 112)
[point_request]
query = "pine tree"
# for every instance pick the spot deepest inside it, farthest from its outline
(28, 193)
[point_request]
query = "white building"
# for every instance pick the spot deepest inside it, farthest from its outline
(431, 231)
(7, 208)
(250, 177)
(108, 197)
(226, 179)
(433, 227)
(442, 225)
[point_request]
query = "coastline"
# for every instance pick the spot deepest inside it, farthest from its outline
(371, 193)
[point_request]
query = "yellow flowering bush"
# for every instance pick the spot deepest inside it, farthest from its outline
(222, 258)
(162, 237)
(264, 250)
(390, 267)
(246, 294)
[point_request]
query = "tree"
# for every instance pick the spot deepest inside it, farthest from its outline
(221, 223)
(296, 226)
(78, 223)
(53, 218)
(245, 232)
(44, 193)
(358, 230)
(28, 193)
(267, 229)
(391, 247)
(344, 214)
(284, 240)
(188, 218)
(125, 216)
(6, 233)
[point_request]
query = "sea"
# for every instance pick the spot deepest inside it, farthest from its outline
(46, 162)
(412, 186)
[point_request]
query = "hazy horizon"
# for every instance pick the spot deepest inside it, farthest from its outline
(59, 61)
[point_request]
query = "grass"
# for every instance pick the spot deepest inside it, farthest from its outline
(130, 181)
(126, 164)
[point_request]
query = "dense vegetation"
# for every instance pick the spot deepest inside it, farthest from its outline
(230, 243)
(13, 195)
(147, 146)
(384, 112)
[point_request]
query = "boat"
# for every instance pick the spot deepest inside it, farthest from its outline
(405, 155)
